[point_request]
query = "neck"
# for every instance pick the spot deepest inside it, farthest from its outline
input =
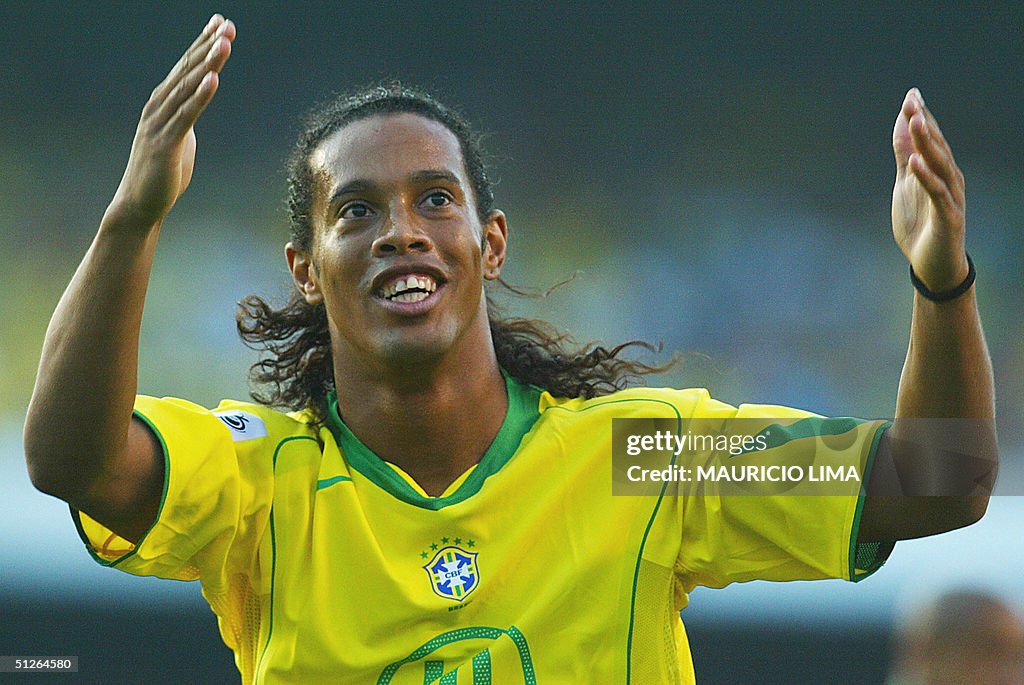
(434, 422)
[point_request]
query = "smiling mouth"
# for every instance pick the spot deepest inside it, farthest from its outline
(409, 288)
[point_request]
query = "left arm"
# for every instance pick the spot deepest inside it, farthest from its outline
(948, 373)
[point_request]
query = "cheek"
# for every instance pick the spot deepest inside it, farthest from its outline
(339, 263)
(468, 245)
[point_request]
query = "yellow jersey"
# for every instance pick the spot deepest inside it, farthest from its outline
(324, 563)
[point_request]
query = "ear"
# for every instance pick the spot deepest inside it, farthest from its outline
(304, 274)
(494, 243)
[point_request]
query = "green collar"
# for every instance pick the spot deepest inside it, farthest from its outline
(523, 402)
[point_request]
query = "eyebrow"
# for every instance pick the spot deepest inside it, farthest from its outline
(361, 185)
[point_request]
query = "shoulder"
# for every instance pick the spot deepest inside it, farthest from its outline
(639, 402)
(231, 420)
(247, 420)
(681, 402)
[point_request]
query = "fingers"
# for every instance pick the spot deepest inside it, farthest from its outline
(917, 103)
(932, 159)
(188, 78)
(190, 58)
(933, 154)
(188, 111)
(187, 101)
(935, 185)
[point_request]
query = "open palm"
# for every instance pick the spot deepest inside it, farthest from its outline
(164, 149)
(928, 197)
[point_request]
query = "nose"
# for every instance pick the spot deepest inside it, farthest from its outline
(402, 232)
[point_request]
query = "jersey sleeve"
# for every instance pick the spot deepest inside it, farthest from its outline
(216, 497)
(744, 520)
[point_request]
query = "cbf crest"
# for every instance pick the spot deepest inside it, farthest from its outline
(453, 573)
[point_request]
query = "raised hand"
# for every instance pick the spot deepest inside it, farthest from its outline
(928, 198)
(163, 152)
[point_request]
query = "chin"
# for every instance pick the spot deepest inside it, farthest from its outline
(412, 350)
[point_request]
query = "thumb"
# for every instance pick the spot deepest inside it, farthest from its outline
(188, 160)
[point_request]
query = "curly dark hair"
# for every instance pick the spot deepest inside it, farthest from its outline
(297, 372)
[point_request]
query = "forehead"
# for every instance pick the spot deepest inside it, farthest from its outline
(387, 147)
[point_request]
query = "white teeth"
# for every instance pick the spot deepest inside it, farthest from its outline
(397, 290)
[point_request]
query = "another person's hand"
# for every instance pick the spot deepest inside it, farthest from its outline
(163, 152)
(928, 198)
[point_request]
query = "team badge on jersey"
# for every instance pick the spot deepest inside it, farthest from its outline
(453, 573)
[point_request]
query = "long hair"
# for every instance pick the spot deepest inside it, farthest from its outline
(296, 370)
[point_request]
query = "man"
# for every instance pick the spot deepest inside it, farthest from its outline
(437, 503)
(960, 636)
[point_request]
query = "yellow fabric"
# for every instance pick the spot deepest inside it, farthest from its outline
(448, 491)
(319, 574)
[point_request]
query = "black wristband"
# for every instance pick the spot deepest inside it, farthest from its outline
(948, 294)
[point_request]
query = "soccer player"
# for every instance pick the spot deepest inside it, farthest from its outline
(436, 507)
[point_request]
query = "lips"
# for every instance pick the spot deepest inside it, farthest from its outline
(408, 288)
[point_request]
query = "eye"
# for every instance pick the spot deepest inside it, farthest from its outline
(438, 199)
(355, 210)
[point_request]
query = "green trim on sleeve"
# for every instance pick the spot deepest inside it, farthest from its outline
(75, 514)
(866, 558)
(777, 434)
(523, 412)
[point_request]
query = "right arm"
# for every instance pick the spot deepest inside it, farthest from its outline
(81, 442)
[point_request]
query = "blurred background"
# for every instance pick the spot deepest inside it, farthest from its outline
(720, 179)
